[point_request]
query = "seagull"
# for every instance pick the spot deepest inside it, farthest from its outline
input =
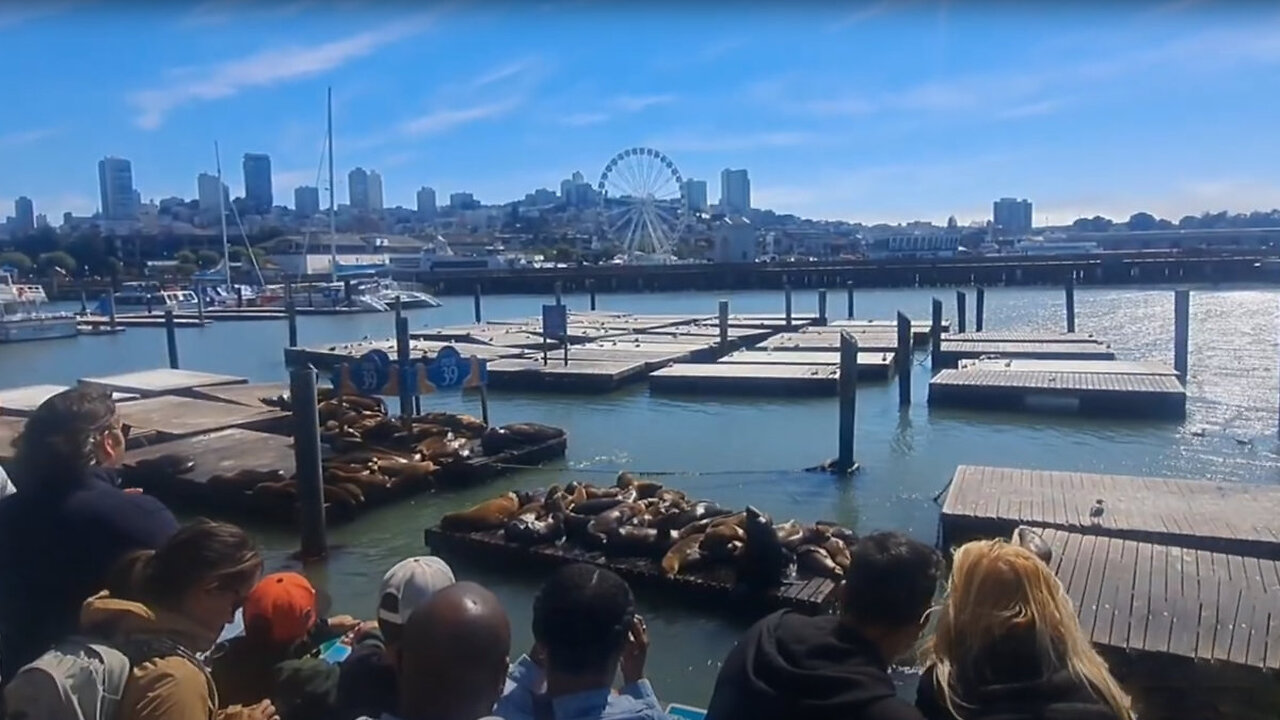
(1098, 508)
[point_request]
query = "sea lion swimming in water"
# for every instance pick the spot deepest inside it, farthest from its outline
(488, 515)
(682, 556)
(816, 561)
(763, 560)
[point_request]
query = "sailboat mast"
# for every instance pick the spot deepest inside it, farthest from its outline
(222, 214)
(333, 235)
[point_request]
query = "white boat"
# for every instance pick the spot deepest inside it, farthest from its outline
(154, 297)
(388, 291)
(21, 318)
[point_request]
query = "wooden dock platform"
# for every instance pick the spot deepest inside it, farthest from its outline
(813, 340)
(578, 376)
(23, 401)
(951, 352)
(712, 587)
(1144, 597)
(250, 395)
(1106, 367)
(871, 365)
(746, 379)
(919, 330)
(1091, 391)
(1230, 518)
(10, 428)
(998, 336)
(162, 381)
(143, 320)
(171, 416)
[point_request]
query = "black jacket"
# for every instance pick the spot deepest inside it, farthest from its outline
(57, 544)
(793, 666)
(367, 683)
(1009, 684)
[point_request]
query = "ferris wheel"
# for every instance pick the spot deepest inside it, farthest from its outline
(645, 209)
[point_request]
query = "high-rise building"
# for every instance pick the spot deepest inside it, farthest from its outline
(735, 191)
(306, 200)
(115, 186)
(1011, 216)
(207, 189)
(461, 200)
(427, 202)
(695, 194)
(24, 216)
(375, 190)
(257, 182)
(358, 189)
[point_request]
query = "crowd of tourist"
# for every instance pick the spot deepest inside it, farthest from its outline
(110, 609)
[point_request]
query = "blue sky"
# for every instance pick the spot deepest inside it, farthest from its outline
(872, 111)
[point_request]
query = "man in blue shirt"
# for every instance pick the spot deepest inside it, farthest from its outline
(585, 629)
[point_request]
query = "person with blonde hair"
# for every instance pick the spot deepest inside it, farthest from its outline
(1008, 646)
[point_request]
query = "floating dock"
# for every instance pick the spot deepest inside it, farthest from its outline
(23, 401)
(163, 381)
(951, 352)
(171, 416)
(706, 587)
(871, 365)
(576, 376)
(998, 336)
(816, 340)
(127, 321)
(1089, 387)
(746, 379)
(1229, 518)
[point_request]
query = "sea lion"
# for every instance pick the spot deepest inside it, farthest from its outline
(441, 450)
(670, 495)
(529, 511)
(575, 526)
(723, 542)
(531, 496)
(698, 511)
(615, 517)
(364, 404)
(789, 533)
(339, 495)
(380, 431)
(353, 490)
(168, 465)
(532, 433)
(462, 424)
(245, 479)
(408, 472)
(682, 556)
(556, 502)
(286, 490)
(496, 441)
(625, 480)
(848, 536)
(706, 524)
(632, 541)
(578, 495)
(1033, 541)
(488, 515)
(763, 560)
(596, 506)
(816, 535)
(530, 531)
(595, 493)
(838, 551)
(647, 489)
(815, 561)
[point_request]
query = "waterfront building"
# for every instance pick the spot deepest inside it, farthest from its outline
(735, 241)
(115, 187)
(257, 183)
(1011, 216)
(735, 191)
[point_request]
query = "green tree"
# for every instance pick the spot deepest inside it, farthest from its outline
(57, 260)
(186, 269)
(208, 259)
(1142, 221)
(16, 260)
(185, 257)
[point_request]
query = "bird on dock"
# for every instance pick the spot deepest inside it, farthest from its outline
(1097, 510)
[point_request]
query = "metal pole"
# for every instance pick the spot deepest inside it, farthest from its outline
(849, 290)
(724, 325)
(84, 303)
(935, 334)
(399, 308)
(291, 311)
(306, 458)
(200, 303)
(484, 404)
(171, 337)
(822, 307)
(903, 360)
(1181, 331)
(786, 290)
(1071, 305)
(960, 310)
(111, 308)
(402, 363)
(591, 288)
(476, 300)
(848, 390)
(239, 296)
(979, 309)
(558, 287)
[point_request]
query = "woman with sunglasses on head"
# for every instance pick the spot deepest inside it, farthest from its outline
(162, 607)
(68, 524)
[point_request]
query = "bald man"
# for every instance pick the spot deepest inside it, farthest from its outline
(453, 658)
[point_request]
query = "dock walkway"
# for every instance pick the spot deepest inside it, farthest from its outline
(1090, 387)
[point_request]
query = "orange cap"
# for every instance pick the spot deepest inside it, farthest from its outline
(283, 605)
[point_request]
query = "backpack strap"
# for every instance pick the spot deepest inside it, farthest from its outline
(146, 648)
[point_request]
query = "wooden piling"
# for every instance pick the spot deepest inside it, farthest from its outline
(848, 390)
(935, 334)
(559, 292)
(306, 456)
(961, 311)
(979, 308)
(239, 297)
(591, 288)
(171, 337)
(1181, 331)
(111, 308)
(724, 325)
(402, 362)
(476, 302)
(849, 300)
(1070, 291)
(398, 306)
(200, 303)
(822, 307)
(291, 313)
(903, 360)
(786, 294)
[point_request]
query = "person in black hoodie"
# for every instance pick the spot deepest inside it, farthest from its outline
(68, 524)
(790, 665)
(1008, 646)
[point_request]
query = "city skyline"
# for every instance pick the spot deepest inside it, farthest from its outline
(1095, 110)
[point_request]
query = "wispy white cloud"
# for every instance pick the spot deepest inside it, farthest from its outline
(27, 137)
(16, 13)
(265, 68)
(864, 12)
(221, 12)
(728, 142)
(1031, 109)
(636, 103)
(584, 119)
(840, 107)
(506, 72)
(620, 105)
(438, 121)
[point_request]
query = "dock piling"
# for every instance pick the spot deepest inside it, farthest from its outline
(848, 389)
(200, 303)
(476, 301)
(559, 290)
(239, 297)
(591, 288)
(786, 294)
(306, 457)
(398, 306)
(979, 308)
(961, 311)
(111, 308)
(935, 334)
(849, 299)
(1070, 291)
(291, 311)
(724, 325)
(903, 360)
(402, 363)
(171, 337)
(822, 307)
(84, 303)
(1181, 331)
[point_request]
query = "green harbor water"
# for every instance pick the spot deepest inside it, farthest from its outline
(750, 450)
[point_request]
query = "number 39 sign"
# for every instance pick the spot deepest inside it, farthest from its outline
(375, 374)
(450, 371)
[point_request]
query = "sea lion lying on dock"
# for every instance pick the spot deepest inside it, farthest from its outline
(488, 515)
(682, 556)
(816, 561)
(763, 560)
(462, 424)
(633, 541)
(529, 531)
(246, 479)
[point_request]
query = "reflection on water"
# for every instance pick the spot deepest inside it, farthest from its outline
(743, 450)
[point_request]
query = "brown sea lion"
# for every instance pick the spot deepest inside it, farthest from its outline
(646, 489)
(670, 495)
(408, 472)
(339, 495)
(838, 551)
(381, 431)
(698, 511)
(245, 479)
(530, 511)
(532, 433)
(353, 490)
(632, 541)
(815, 561)
(594, 492)
(488, 515)
(615, 517)
(706, 524)
(596, 506)
(530, 531)
(578, 495)
(557, 502)
(575, 526)
(682, 556)
(286, 490)
(496, 441)
(531, 496)
(789, 533)
(625, 480)
(848, 536)
(1033, 541)
(764, 560)
(168, 465)
(462, 424)
(723, 542)
(364, 404)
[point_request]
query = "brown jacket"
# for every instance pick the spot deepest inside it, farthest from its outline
(166, 688)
